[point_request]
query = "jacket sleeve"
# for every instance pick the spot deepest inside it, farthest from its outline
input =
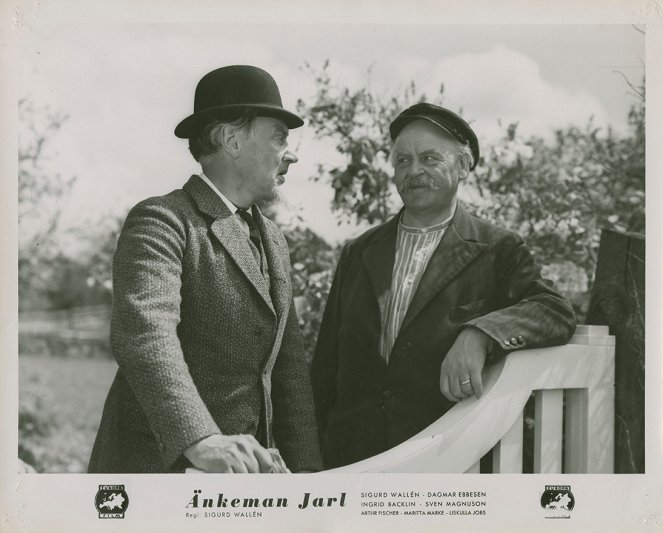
(531, 313)
(325, 359)
(295, 429)
(147, 274)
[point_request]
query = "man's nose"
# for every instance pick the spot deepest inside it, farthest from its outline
(415, 167)
(290, 157)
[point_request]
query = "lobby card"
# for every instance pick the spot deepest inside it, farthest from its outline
(91, 93)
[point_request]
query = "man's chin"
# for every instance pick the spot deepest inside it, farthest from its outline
(417, 195)
(270, 197)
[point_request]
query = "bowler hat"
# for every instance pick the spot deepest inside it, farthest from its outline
(227, 92)
(442, 117)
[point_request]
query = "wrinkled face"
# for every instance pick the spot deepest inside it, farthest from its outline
(264, 158)
(427, 168)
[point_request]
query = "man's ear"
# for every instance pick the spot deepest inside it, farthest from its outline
(228, 137)
(463, 162)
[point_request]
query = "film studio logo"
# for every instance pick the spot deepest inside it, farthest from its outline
(558, 501)
(111, 501)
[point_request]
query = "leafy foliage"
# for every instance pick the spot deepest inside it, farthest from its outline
(313, 262)
(51, 276)
(558, 194)
(60, 405)
(358, 122)
(39, 193)
(33, 426)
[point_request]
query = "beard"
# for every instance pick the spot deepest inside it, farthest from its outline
(270, 197)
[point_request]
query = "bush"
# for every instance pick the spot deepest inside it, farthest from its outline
(35, 425)
(313, 262)
(60, 405)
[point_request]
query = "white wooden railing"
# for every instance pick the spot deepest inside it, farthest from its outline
(574, 416)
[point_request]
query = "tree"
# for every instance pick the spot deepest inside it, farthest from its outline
(51, 276)
(312, 262)
(39, 194)
(560, 194)
(358, 122)
(557, 194)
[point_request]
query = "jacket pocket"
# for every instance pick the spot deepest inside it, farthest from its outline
(462, 313)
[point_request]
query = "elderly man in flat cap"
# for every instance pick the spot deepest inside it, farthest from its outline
(419, 304)
(212, 373)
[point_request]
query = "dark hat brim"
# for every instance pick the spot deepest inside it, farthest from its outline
(193, 124)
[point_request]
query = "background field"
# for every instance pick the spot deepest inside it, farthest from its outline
(60, 405)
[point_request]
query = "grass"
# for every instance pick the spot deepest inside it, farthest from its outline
(60, 405)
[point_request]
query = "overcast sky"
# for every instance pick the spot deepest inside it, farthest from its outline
(126, 86)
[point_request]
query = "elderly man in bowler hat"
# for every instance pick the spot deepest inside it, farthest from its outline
(212, 373)
(421, 303)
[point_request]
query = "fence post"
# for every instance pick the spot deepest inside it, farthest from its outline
(618, 300)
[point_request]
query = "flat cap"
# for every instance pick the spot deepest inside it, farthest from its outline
(442, 117)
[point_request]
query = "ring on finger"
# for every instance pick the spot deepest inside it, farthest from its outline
(465, 382)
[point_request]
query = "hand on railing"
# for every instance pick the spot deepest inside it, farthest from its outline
(460, 373)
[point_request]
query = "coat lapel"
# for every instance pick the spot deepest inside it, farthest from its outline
(378, 260)
(226, 230)
(277, 262)
(456, 250)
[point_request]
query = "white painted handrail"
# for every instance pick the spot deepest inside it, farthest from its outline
(579, 374)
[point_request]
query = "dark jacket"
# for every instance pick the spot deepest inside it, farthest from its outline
(203, 345)
(479, 275)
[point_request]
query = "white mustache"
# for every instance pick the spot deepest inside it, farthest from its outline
(421, 181)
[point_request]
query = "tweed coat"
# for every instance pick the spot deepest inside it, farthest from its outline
(479, 275)
(203, 346)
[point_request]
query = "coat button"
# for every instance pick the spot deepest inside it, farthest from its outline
(386, 394)
(406, 345)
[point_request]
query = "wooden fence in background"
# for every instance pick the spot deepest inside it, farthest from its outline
(82, 332)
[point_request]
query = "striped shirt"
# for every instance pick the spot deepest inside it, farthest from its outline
(414, 248)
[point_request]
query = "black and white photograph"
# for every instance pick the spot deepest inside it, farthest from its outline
(383, 252)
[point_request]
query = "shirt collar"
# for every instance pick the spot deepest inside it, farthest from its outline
(437, 227)
(229, 204)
